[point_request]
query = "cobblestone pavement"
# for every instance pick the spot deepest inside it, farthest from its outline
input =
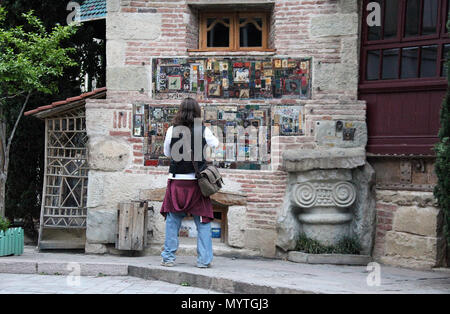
(35, 284)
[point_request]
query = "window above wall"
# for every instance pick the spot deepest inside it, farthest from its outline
(233, 31)
(411, 43)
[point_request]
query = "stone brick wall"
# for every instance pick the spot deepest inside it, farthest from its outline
(327, 31)
(409, 230)
(137, 31)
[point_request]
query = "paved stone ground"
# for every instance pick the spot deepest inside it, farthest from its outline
(46, 284)
(236, 275)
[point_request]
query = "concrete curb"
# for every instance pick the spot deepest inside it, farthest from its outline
(220, 284)
(18, 267)
(63, 268)
(170, 275)
(86, 269)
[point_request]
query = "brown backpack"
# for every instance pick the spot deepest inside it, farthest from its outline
(209, 180)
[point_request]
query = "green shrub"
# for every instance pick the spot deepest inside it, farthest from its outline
(346, 245)
(4, 224)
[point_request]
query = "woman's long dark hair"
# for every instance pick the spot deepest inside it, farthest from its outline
(189, 110)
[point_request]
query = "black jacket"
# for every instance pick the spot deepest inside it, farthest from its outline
(186, 166)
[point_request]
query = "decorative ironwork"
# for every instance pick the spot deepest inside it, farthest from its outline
(66, 171)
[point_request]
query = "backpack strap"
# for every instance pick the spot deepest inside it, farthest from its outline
(215, 172)
(212, 178)
(194, 163)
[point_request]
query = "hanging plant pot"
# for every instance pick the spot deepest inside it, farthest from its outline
(11, 241)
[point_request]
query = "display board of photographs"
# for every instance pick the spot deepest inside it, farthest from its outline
(139, 120)
(178, 78)
(152, 122)
(232, 78)
(241, 147)
(244, 135)
(287, 120)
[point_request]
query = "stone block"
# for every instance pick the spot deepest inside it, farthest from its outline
(115, 53)
(83, 269)
(261, 239)
(348, 6)
(288, 228)
(101, 226)
(420, 221)
(327, 136)
(98, 122)
(343, 77)
(349, 52)
(105, 192)
(17, 267)
(364, 209)
(236, 226)
(324, 175)
(334, 259)
(133, 26)
(156, 224)
(54, 268)
(408, 250)
(407, 198)
(331, 25)
(106, 269)
(94, 248)
(330, 158)
(108, 154)
(130, 78)
(112, 6)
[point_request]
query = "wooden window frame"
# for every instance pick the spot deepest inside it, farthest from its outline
(234, 31)
(400, 41)
(203, 31)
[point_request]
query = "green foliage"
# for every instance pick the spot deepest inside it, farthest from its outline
(4, 224)
(25, 179)
(32, 59)
(24, 184)
(345, 246)
(442, 168)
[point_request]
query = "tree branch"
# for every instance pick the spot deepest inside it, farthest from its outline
(12, 96)
(2, 143)
(8, 146)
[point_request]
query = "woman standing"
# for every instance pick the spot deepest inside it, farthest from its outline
(187, 138)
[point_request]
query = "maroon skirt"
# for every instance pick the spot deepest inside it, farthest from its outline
(184, 196)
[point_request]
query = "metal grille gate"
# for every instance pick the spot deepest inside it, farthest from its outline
(66, 171)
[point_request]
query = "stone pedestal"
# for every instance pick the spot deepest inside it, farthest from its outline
(328, 197)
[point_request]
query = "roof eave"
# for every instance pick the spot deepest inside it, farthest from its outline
(68, 104)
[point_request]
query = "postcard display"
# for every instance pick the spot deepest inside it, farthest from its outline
(227, 79)
(232, 78)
